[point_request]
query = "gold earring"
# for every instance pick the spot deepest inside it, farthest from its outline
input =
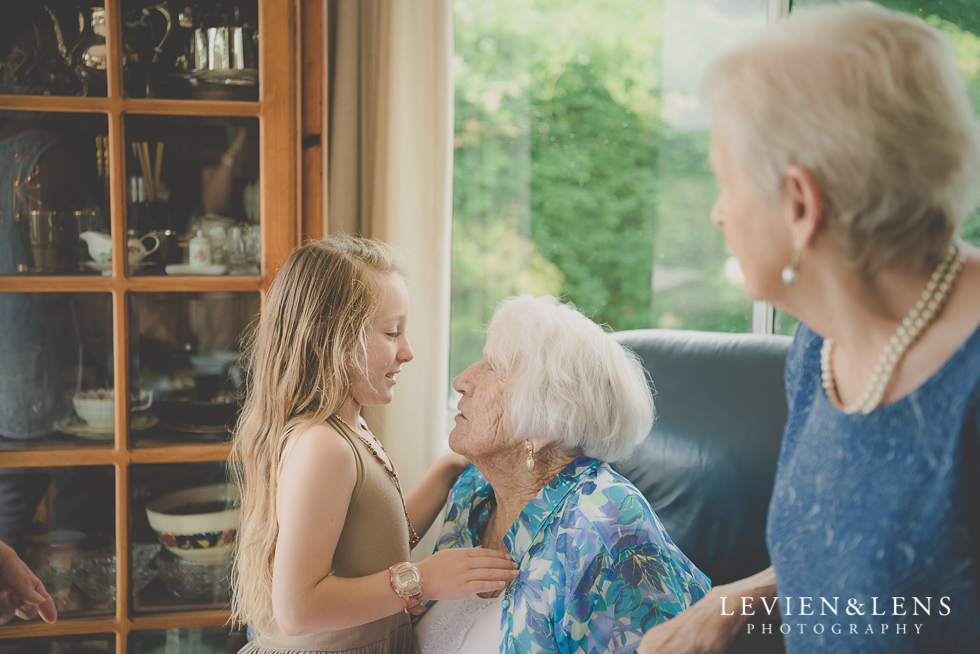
(529, 461)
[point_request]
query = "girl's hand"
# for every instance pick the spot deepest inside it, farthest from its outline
(457, 573)
(452, 465)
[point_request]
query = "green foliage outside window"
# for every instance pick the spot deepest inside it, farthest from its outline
(569, 181)
(581, 161)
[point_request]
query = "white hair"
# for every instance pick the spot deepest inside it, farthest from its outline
(571, 383)
(867, 100)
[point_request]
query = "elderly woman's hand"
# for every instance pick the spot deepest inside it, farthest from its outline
(705, 628)
(458, 573)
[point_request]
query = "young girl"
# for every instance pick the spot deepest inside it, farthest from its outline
(323, 548)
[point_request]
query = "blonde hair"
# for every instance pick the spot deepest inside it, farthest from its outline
(571, 382)
(304, 353)
(869, 102)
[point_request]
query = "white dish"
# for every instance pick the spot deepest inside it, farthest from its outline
(183, 269)
(78, 427)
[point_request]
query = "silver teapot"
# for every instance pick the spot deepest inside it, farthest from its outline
(87, 58)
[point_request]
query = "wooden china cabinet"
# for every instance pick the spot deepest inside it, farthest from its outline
(122, 139)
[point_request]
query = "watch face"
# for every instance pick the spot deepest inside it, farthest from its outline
(407, 576)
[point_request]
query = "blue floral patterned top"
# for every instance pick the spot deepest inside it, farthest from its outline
(597, 569)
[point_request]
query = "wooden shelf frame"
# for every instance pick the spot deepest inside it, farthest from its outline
(278, 114)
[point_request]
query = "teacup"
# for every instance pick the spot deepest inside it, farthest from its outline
(96, 407)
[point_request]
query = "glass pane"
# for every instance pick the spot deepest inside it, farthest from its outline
(53, 48)
(207, 50)
(697, 283)
(56, 369)
(190, 175)
(61, 521)
(54, 186)
(581, 162)
(178, 566)
(209, 640)
(187, 353)
(84, 644)
(959, 20)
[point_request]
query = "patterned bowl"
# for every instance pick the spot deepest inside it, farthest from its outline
(197, 523)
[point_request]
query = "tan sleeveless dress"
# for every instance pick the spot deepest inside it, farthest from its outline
(374, 538)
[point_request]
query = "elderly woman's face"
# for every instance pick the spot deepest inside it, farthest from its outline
(752, 228)
(479, 431)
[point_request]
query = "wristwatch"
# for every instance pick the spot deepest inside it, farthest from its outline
(406, 581)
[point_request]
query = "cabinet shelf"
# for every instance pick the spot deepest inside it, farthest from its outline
(97, 625)
(86, 454)
(148, 284)
(155, 107)
(227, 108)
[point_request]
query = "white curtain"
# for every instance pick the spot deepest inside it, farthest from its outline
(391, 166)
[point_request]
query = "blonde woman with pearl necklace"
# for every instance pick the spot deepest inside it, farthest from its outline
(846, 146)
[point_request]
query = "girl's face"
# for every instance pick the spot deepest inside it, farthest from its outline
(387, 344)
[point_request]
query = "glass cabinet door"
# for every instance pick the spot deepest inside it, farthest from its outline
(61, 522)
(184, 521)
(192, 195)
(191, 50)
(57, 379)
(135, 246)
(53, 48)
(186, 641)
(86, 644)
(189, 358)
(54, 191)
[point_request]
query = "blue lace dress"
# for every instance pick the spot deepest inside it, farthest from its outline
(878, 515)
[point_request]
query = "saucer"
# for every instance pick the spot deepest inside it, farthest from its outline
(78, 427)
(106, 268)
(232, 76)
(185, 269)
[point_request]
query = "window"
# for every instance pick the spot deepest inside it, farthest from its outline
(581, 163)
(581, 158)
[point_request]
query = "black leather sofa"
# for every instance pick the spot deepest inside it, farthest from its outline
(707, 466)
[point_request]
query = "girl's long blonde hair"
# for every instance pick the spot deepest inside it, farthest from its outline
(303, 352)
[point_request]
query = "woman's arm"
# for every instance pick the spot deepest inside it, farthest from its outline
(216, 180)
(315, 488)
(706, 628)
(428, 496)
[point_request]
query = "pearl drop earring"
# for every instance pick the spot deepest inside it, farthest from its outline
(791, 272)
(529, 460)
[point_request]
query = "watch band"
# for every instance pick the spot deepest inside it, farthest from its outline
(406, 582)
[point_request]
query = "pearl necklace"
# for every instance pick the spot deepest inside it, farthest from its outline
(413, 538)
(920, 317)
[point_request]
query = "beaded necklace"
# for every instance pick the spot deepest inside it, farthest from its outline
(919, 318)
(413, 538)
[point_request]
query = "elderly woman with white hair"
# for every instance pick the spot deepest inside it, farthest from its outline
(554, 399)
(846, 145)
